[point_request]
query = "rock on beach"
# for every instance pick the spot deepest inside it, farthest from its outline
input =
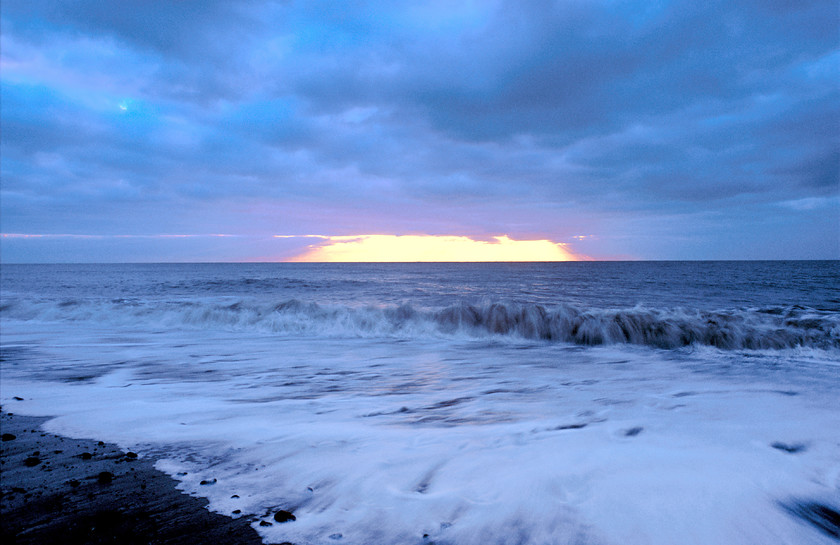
(56, 489)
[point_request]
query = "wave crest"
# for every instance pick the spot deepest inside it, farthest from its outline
(740, 329)
(765, 328)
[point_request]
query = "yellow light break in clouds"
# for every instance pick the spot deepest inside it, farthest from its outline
(426, 248)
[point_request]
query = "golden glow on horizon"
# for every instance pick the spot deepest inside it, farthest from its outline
(414, 248)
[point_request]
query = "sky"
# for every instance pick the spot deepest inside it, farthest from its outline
(138, 131)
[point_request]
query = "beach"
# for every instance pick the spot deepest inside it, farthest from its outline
(72, 491)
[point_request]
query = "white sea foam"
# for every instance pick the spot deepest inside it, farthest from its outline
(466, 441)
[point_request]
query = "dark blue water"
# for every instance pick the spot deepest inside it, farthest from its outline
(765, 305)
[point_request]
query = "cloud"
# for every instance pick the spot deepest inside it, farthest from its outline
(539, 119)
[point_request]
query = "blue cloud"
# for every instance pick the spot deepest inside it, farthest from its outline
(542, 118)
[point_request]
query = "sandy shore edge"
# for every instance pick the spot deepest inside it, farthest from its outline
(56, 489)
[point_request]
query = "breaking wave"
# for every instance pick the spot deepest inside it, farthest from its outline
(764, 328)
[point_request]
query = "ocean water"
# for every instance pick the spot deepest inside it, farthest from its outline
(562, 403)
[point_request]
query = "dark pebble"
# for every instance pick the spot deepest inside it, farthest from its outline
(86, 456)
(237, 511)
(570, 427)
(264, 523)
(633, 432)
(18, 398)
(31, 461)
(235, 496)
(9, 437)
(283, 516)
(792, 448)
(208, 482)
(131, 455)
(101, 443)
(105, 477)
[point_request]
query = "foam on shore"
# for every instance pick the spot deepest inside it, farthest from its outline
(387, 442)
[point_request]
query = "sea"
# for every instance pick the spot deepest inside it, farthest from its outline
(453, 403)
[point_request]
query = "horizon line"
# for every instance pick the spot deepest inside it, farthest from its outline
(286, 262)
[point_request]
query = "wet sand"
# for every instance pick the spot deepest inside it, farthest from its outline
(55, 489)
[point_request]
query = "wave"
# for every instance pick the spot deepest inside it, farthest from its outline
(763, 328)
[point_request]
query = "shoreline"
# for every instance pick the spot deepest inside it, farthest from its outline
(55, 489)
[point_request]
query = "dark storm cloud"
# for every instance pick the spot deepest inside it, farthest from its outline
(550, 118)
(188, 42)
